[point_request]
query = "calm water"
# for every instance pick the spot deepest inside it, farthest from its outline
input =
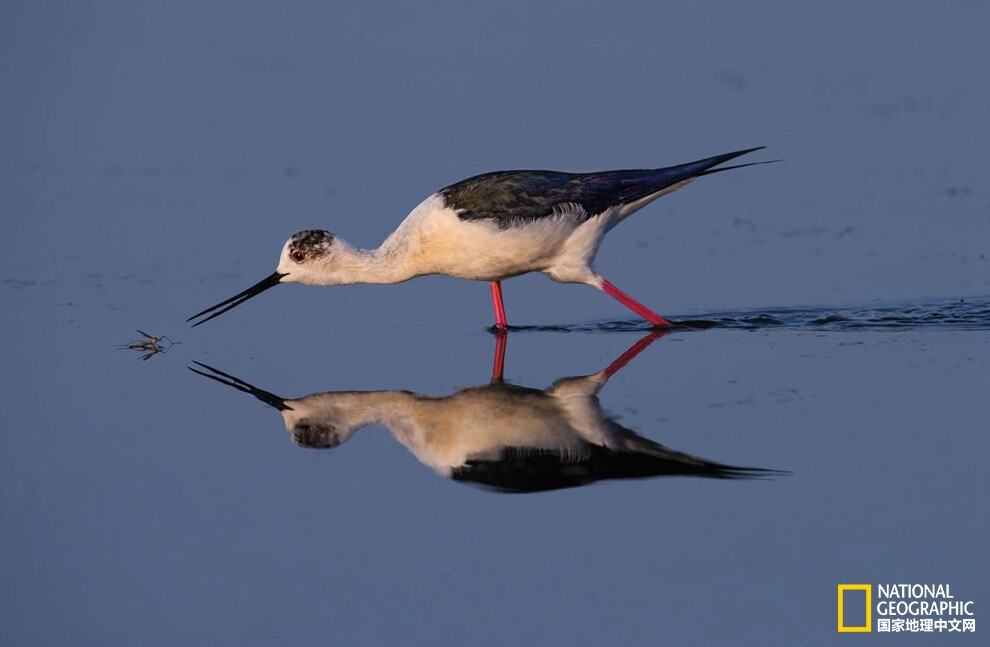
(153, 160)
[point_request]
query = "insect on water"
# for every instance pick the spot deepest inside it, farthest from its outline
(150, 345)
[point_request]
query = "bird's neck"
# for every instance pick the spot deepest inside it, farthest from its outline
(387, 264)
(342, 414)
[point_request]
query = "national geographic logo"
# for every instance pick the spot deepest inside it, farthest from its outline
(914, 608)
(868, 590)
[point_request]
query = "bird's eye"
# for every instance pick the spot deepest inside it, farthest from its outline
(298, 256)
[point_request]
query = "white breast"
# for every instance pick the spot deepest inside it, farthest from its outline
(435, 240)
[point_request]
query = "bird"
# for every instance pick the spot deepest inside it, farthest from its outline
(497, 435)
(492, 227)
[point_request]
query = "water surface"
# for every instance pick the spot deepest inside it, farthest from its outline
(153, 159)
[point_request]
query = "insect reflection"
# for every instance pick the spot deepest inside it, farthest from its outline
(151, 345)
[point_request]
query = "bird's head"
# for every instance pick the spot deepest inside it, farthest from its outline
(315, 434)
(320, 420)
(326, 420)
(307, 257)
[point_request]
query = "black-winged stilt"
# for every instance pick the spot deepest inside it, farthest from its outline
(489, 228)
(498, 435)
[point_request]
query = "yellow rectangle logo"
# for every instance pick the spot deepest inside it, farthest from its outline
(869, 595)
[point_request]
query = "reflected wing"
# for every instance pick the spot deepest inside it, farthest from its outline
(526, 469)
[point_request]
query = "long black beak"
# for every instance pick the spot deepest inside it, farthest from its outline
(238, 299)
(267, 397)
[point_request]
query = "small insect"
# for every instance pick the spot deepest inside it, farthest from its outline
(151, 341)
(150, 345)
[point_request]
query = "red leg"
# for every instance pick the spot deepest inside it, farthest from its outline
(500, 322)
(498, 368)
(634, 305)
(633, 351)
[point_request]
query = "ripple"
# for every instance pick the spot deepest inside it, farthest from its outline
(942, 314)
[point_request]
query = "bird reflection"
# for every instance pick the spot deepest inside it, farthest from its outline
(497, 435)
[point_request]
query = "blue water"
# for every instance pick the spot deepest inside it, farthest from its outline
(154, 158)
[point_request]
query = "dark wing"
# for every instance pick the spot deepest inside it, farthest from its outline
(520, 196)
(529, 469)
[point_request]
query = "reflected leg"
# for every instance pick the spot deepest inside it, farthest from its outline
(498, 367)
(633, 351)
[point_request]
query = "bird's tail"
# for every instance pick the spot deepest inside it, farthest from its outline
(671, 175)
(636, 189)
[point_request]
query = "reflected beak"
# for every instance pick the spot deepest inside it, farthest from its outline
(267, 397)
(238, 299)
